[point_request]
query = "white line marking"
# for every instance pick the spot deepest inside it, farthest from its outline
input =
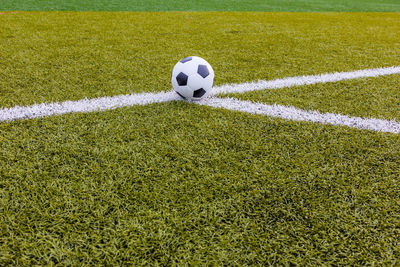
(85, 105)
(304, 80)
(295, 114)
(107, 103)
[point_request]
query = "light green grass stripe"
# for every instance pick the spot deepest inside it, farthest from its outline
(203, 5)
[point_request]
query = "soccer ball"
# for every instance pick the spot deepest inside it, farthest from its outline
(192, 78)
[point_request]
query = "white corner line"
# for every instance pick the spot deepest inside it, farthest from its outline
(295, 114)
(304, 80)
(112, 102)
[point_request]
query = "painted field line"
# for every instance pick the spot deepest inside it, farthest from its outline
(85, 105)
(304, 80)
(295, 114)
(107, 103)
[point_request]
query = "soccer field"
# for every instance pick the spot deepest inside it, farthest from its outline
(295, 159)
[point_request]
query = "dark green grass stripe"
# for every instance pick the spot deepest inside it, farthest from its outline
(203, 5)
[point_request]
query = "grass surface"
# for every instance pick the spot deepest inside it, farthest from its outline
(70, 55)
(203, 5)
(371, 97)
(176, 183)
(196, 185)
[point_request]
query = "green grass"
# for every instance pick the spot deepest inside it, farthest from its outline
(372, 97)
(178, 183)
(57, 56)
(203, 5)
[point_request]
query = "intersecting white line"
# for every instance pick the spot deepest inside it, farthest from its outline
(304, 80)
(85, 105)
(295, 114)
(291, 113)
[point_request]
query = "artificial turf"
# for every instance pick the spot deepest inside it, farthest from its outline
(377, 97)
(177, 183)
(203, 5)
(56, 56)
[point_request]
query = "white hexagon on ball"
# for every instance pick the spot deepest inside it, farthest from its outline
(192, 78)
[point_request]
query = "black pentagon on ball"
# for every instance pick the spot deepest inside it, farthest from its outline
(202, 70)
(199, 93)
(182, 79)
(186, 59)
